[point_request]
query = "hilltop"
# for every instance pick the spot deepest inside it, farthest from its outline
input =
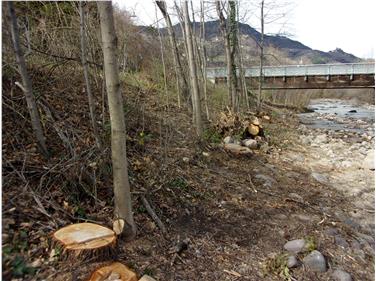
(278, 49)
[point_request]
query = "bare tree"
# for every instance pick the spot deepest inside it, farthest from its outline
(182, 81)
(26, 86)
(196, 103)
(86, 75)
(203, 57)
(261, 57)
(229, 36)
(123, 202)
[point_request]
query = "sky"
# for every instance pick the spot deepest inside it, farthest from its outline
(320, 24)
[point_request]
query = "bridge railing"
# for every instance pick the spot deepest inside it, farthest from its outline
(300, 70)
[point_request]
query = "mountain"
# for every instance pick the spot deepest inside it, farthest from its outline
(278, 49)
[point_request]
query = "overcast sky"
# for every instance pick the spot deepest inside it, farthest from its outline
(320, 24)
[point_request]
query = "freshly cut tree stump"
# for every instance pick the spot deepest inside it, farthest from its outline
(115, 271)
(85, 240)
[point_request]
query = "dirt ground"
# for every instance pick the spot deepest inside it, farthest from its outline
(236, 211)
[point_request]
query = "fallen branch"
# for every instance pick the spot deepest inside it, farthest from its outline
(153, 215)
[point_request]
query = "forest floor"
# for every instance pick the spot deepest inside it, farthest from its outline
(236, 211)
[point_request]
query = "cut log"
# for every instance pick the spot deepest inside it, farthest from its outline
(255, 121)
(237, 149)
(115, 271)
(253, 129)
(85, 240)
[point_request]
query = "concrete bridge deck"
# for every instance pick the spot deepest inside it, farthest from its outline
(315, 76)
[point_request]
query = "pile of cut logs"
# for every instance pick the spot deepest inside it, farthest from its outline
(252, 137)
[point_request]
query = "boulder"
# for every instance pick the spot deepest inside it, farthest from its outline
(228, 139)
(368, 162)
(249, 143)
(315, 261)
(237, 149)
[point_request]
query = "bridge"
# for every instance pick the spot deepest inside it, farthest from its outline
(314, 76)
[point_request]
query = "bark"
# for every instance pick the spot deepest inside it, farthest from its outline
(229, 62)
(203, 60)
(26, 83)
(261, 57)
(123, 202)
(86, 76)
(182, 81)
(193, 73)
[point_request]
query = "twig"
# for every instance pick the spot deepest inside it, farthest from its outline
(153, 215)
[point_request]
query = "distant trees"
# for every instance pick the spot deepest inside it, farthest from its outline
(26, 83)
(182, 81)
(123, 202)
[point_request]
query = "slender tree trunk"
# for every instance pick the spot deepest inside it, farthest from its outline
(229, 63)
(123, 202)
(233, 38)
(86, 75)
(162, 57)
(261, 57)
(203, 59)
(193, 74)
(241, 64)
(26, 83)
(182, 81)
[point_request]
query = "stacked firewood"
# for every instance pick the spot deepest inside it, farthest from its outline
(251, 132)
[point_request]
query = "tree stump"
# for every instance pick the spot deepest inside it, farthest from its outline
(85, 240)
(115, 271)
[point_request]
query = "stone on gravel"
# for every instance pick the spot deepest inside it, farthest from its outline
(146, 278)
(292, 262)
(315, 261)
(250, 143)
(320, 177)
(295, 246)
(340, 275)
(331, 231)
(340, 241)
(268, 181)
(368, 162)
(228, 139)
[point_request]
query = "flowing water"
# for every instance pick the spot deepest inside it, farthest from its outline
(332, 114)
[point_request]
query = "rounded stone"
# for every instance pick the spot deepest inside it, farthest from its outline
(315, 261)
(295, 246)
(292, 262)
(340, 275)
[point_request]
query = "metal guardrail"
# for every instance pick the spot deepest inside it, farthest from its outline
(299, 70)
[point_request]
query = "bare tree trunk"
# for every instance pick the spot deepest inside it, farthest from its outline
(182, 81)
(192, 69)
(233, 39)
(229, 63)
(26, 83)
(162, 57)
(241, 64)
(261, 57)
(86, 75)
(123, 202)
(203, 60)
